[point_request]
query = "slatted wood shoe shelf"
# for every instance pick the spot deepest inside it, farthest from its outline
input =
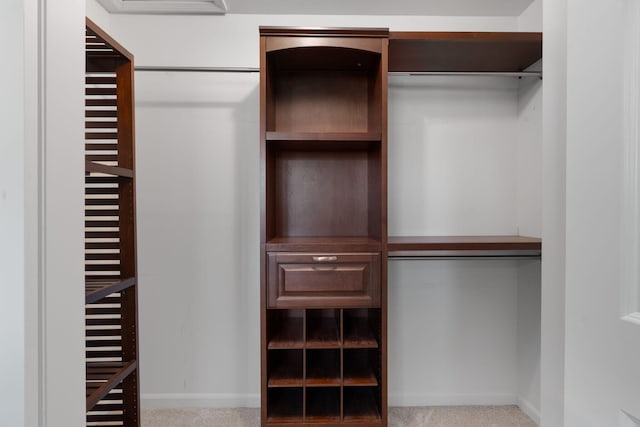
(110, 238)
(324, 244)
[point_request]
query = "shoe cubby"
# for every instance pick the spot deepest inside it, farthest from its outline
(361, 404)
(360, 367)
(317, 356)
(323, 328)
(285, 405)
(285, 368)
(323, 404)
(285, 329)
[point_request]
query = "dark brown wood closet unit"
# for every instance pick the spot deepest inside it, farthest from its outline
(323, 148)
(110, 234)
(324, 245)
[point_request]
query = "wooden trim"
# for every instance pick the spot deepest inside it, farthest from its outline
(324, 31)
(99, 32)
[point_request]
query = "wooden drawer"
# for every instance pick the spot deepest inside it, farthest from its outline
(323, 280)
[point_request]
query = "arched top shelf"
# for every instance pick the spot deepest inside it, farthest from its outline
(366, 44)
(323, 58)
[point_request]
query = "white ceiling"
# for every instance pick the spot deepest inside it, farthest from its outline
(324, 7)
(381, 7)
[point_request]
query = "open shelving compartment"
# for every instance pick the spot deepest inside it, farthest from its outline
(465, 213)
(507, 54)
(112, 383)
(323, 140)
(328, 366)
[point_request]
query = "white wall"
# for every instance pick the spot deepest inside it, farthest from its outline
(465, 158)
(41, 227)
(197, 155)
(198, 244)
(452, 156)
(61, 212)
(531, 18)
(453, 328)
(232, 40)
(602, 347)
(553, 222)
(12, 328)
(98, 14)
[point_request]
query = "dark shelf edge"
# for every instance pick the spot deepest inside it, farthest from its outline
(324, 31)
(108, 289)
(464, 246)
(110, 170)
(323, 136)
(126, 369)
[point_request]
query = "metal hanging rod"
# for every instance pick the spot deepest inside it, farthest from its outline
(392, 73)
(464, 258)
(198, 69)
(519, 74)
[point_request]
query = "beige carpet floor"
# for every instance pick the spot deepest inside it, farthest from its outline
(444, 416)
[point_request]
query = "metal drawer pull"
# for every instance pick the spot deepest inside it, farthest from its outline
(325, 258)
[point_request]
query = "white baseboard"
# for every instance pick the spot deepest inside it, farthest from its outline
(529, 409)
(199, 400)
(403, 399)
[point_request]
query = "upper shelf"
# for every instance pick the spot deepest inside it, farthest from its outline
(505, 52)
(464, 246)
(323, 136)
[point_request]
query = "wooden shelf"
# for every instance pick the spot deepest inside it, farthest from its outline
(93, 167)
(323, 329)
(360, 376)
(102, 377)
(287, 336)
(358, 334)
(323, 136)
(463, 51)
(358, 367)
(323, 244)
(471, 246)
(95, 290)
(323, 368)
